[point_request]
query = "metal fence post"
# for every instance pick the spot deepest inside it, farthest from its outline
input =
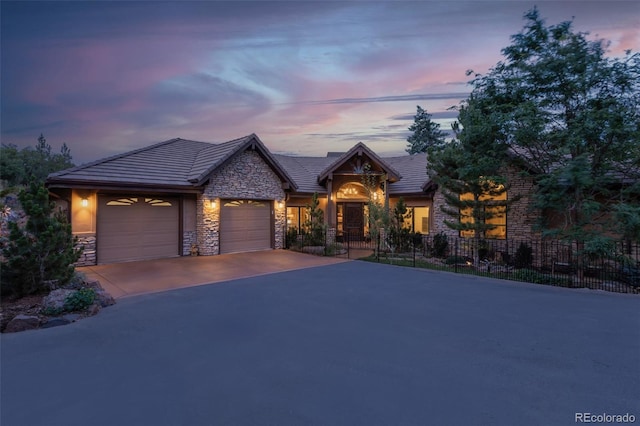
(456, 258)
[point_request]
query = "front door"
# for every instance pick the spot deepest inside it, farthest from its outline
(354, 220)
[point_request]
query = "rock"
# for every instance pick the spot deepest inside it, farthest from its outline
(55, 299)
(55, 322)
(93, 309)
(72, 317)
(104, 299)
(94, 285)
(22, 323)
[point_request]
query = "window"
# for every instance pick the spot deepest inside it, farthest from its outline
(122, 202)
(419, 220)
(296, 217)
(495, 215)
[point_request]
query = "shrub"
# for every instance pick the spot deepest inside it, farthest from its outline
(524, 256)
(42, 250)
(440, 245)
(532, 276)
(452, 260)
(315, 225)
(80, 300)
(485, 250)
(292, 237)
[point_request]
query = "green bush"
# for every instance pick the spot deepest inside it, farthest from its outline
(524, 256)
(532, 276)
(485, 250)
(80, 300)
(452, 260)
(40, 251)
(440, 245)
(292, 237)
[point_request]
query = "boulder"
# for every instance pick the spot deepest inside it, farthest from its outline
(55, 299)
(55, 322)
(71, 317)
(22, 323)
(104, 299)
(93, 309)
(95, 284)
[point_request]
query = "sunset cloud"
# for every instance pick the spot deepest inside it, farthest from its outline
(307, 77)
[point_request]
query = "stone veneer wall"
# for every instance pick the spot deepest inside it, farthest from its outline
(280, 223)
(188, 238)
(520, 219)
(88, 256)
(245, 177)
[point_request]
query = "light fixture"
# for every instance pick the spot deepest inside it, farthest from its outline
(212, 204)
(280, 204)
(85, 202)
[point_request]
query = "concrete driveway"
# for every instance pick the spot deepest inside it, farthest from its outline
(354, 343)
(152, 276)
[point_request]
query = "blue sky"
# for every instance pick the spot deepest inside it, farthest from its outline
(307, 76)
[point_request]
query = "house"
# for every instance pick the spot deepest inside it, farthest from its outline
(175, 196)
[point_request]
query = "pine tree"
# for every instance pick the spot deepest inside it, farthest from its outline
(41, 251)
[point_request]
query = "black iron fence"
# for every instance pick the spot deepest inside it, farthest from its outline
(611, 267)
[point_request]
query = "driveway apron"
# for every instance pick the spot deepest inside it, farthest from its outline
(152, 276)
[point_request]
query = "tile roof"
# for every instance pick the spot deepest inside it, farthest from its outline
(414, 173)
(186, 163)
(305, 171)
(166, 163)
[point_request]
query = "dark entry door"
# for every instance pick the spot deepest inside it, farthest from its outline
(354, 220)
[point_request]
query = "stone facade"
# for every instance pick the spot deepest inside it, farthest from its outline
(247, 176)
(521, 218)
(207, 226)
(188, 239)
(88, 243)
(280, 225)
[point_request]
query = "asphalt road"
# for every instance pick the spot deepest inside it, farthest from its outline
(348, 344)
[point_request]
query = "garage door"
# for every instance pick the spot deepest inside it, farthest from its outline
(136, 228)
(245, 225)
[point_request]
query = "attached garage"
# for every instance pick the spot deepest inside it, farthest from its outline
(245, 225)
(137, 228)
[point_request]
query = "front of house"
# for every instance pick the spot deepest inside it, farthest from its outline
(177, 196)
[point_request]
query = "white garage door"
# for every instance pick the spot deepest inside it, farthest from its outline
(137, 228)
(245, 225)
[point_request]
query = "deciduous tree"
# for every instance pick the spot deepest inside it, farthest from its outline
(572, 115)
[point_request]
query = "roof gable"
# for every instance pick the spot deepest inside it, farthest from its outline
(215, 156)
(353, 161)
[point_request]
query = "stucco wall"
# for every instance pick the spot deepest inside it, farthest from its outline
(245, 177)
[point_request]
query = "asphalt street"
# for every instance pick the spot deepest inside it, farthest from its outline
(353, 343)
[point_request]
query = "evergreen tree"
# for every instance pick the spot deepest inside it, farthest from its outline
(315, 225)
(469, 172)
(18, 167)
(378, 213)
(41, 251)
(424, 133)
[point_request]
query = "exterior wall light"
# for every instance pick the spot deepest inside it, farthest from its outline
(85, 202)
(212, 204)
(280, 204)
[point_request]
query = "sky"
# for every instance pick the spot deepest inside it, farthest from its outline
(307, 77)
